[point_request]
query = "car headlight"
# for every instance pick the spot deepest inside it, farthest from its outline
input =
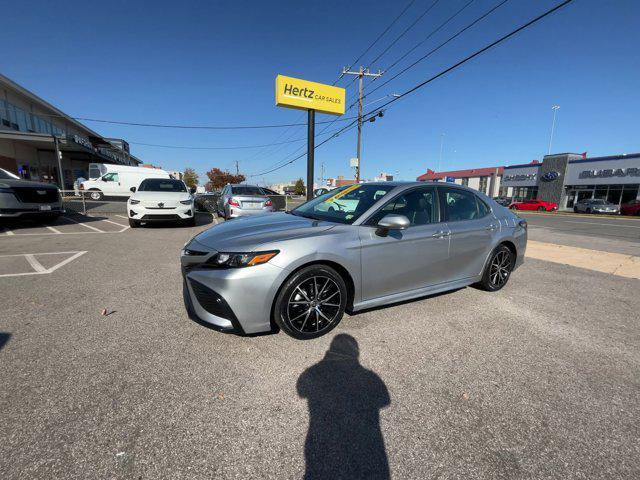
(133, 201)
(186, 202)
(239, 260)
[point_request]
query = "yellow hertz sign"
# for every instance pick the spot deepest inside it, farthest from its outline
(305, 95)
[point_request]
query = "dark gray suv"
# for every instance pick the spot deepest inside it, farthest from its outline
(20, 198)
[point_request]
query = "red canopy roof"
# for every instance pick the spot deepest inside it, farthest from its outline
(471, 172)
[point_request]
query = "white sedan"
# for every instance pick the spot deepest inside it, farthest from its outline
(161, 199)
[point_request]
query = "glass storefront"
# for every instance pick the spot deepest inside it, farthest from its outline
(616, 194)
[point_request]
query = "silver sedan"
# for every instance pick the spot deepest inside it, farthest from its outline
(596, 205)
(350, 249)
(241, 200)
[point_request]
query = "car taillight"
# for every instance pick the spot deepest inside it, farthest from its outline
(234, 202)
(268, 203)
(80, 187)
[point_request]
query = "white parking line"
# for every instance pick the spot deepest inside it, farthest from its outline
(7, 231)
(85, 225)
(38, 267)
(53, 229)
(122, 216)
(115, 223)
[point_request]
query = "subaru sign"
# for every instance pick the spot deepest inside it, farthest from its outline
(450, 179)
(550, 176)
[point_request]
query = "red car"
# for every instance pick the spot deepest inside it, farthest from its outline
(539, 205)
(631, 208)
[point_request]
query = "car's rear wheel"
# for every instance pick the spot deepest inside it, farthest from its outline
(311, 303)
(95, 195)
(498, 270)
(541, 209)
(513, 207)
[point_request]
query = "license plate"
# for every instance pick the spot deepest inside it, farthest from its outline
(251, 204)
(45, 207)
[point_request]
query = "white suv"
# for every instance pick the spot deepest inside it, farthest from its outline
(161, 199)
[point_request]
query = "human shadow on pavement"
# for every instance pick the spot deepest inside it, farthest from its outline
(344, 440)
(4, 338)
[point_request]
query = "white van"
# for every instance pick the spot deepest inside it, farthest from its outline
(117, 180)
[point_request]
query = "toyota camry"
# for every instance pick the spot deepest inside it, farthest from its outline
(350, 249)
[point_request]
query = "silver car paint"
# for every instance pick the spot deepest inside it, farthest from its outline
(380, 271)
(243, 210)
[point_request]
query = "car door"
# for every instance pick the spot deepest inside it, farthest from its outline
(404, 260)
(473, 230)
(110, 183)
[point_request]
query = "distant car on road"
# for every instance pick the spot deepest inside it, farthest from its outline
(504, 201)
(240, 200)
(20, 198)
(596, 205)
(354, 248)
(161, 199)
(631, 208)
(539, 205)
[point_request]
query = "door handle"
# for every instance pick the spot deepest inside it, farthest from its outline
(440, 234)
(492, 227)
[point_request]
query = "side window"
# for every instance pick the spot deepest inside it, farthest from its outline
(419, 206)
(111, 177)
(483, 209)
(458, 205)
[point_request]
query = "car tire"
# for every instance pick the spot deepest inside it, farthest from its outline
(498, 269)
(541, 209)
(575, 209)
(96, 195)
(311, 302)
(588, 210)
(190, 222)
(513, 207)
(134, 223)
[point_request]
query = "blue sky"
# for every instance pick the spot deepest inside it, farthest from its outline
(215, 62)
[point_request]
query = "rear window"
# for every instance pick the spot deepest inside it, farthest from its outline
(246, 190)
(161, 185)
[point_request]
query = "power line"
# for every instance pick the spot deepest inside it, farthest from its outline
(404, 32)
(431, 52)
(472, 56)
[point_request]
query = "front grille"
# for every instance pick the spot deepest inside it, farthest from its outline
(211, 301)
(160, 208)
(31, 195)
(160, 217)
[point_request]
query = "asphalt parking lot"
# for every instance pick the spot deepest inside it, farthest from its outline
(538, 380)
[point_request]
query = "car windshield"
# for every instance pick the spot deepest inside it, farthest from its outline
(246, 190)
(161, 185)
(597, 202)
(343, 205)
(4, 175)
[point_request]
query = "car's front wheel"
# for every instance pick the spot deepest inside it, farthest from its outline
(498, 270)
(95, 195)
(134, 223)
(311, 302)
(513, 207)
(575, 209)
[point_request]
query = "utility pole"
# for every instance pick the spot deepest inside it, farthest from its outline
(322, 174)
(237, 168)
(555, 109)
(363, 72)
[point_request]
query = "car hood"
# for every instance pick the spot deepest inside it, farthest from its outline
(161, 196)
(27, 183)
(247, 233)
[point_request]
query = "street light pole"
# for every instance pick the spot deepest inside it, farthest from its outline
(555, 109)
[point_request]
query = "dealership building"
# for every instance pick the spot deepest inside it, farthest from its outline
(564, 178)
(34, 134)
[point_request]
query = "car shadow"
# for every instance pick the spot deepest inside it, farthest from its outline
(201, 220)
(4, 339)
(344, 439)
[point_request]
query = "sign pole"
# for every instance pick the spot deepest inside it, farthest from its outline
(311, 132)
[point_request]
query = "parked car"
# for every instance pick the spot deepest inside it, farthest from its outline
(539, 205)
(504, 201)
(240, 200)
(161, 199)
(391, 242)
(596, 205)
(279, 200)
(631, 208)
(118, 180)
(21, 198)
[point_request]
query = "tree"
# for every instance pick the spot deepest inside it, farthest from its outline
(190, 177)
(218, 178)
(299, 187)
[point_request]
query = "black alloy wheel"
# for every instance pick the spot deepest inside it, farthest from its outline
(588, 210)
(498, 270)
(311, 303)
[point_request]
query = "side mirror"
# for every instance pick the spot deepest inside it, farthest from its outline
(192, 190)
(133, 189)
(392, 222)
(104, 179)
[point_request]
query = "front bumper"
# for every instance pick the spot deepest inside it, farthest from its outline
(231, 299)
(144, 214)
(11, 207)
(607, 212)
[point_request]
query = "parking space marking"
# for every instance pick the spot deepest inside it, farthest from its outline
(38, 268)
(7, 231)
(53, 229)
(122, 216)
(115, 223)
(85, 225)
